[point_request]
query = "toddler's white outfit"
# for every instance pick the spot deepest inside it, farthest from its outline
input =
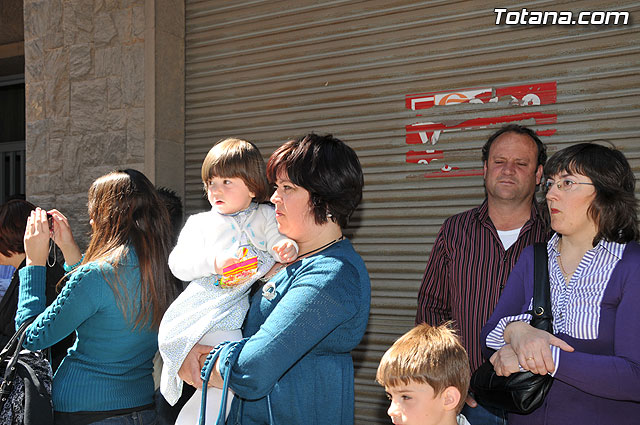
(204, 307)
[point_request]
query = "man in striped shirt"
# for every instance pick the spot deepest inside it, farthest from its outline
(476, 249)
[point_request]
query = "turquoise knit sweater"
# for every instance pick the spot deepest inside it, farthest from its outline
(110, 365)
(296, 364)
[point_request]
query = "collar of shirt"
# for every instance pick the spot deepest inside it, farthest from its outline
(576, 306)
(614, 248)
(482, 215)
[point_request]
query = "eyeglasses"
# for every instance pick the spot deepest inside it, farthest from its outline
(564, 185)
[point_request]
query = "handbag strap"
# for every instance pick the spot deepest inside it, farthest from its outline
(205, 375)
(14, 343)
(231, 352)
(12, 351)
(542, 317)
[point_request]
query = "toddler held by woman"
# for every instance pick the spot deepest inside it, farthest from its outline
(222, 252)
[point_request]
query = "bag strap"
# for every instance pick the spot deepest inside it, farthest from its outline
(205, 375)
(13, 343)
(542, 317)
(228, 359)
(12, 351)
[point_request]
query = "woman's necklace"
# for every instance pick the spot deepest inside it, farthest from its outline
(269, 288)
(567, 276)
(313, 251)
(562, 270)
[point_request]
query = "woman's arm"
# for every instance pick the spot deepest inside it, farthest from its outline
(317, 302)
(76, 302)
(509, 324)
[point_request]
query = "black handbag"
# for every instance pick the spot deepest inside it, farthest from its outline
(520, 392)
(25, 386)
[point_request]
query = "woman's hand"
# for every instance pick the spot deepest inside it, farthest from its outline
(505, 361)
(63, 237)
(215, 379)
(192, 365)
(532, 346)
(36, 238)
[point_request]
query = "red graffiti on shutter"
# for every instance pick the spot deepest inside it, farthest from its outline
(430, 132)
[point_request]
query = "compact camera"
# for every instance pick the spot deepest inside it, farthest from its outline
(50, 220)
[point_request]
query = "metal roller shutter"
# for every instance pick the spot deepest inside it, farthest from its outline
(271, 70)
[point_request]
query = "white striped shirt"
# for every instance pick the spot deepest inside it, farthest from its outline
(576, 305)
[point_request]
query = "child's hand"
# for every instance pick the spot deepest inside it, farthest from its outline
(286, 250)
(225, 260)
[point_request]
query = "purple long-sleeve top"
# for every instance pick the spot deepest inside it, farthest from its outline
(599, 382)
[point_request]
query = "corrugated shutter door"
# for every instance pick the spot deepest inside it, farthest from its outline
(271, 70)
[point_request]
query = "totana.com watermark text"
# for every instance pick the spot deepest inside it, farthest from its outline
(537, 17)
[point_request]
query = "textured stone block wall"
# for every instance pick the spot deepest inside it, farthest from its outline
(85, 98)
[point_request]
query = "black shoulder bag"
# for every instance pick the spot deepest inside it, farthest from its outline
(520, 392)
(25, 384)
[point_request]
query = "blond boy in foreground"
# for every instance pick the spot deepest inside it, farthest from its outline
(426, 376)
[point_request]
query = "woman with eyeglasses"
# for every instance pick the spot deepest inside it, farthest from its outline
(594, 274)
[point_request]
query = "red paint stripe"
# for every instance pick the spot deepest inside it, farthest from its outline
(418, 157)
(455, 172)
(546, 93)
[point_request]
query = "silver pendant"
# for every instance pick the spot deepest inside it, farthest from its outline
(269, 290)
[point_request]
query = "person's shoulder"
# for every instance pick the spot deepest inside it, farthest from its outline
(89, 275)
(204, 215)
(98, 270)
(633, 248)
(461, 218)
(203, 221)
(266, 208)
(126, 259)
(631, 255)
(266, 211)
(338, 264)
(628, 268)
(341, 256)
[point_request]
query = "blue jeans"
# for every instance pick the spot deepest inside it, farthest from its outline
(481, 416)
(143, 417)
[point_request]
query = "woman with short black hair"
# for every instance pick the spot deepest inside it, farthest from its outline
(294, 365)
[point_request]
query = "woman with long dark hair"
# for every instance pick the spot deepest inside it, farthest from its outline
(113, 300)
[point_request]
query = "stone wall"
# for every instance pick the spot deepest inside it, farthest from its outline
(90, 78)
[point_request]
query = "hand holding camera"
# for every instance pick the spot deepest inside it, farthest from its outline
(43, 229)
(36, 238)
(62, 236)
